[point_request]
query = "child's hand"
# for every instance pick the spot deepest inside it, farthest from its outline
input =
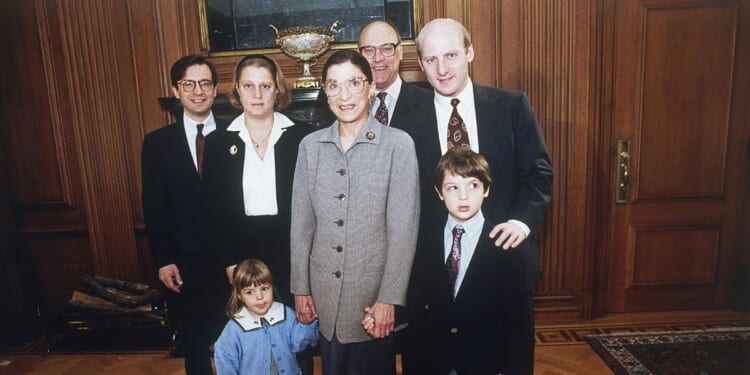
(305, 307)
(368, 322)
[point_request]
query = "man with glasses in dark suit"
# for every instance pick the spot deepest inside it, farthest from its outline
(395, 100)
(171, 165)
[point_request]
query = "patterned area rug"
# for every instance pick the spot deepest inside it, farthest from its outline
(701, 352)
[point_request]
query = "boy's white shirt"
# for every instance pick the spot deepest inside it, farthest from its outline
(249, 321)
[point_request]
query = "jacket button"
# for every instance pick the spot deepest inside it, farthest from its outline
(454, 330)
(341, 171)
(341, 197)
(337, 274)
(338, 248)
(339, 222)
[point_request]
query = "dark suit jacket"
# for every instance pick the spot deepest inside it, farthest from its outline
(476, 333)
(224, 207)
(409, 98)
(511, 141)
(171, 192)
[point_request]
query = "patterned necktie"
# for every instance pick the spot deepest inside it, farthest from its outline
(454, 258)
(457, 134)
(200, 143)
(382, 113)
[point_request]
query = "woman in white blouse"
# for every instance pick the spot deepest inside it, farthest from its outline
(248, 173)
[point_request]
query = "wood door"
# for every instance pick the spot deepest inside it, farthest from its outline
(680, 97)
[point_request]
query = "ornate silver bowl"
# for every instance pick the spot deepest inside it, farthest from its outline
(305, 44)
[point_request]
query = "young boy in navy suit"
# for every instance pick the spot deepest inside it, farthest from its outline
(463, 289)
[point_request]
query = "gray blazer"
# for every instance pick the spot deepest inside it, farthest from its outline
(354, 225)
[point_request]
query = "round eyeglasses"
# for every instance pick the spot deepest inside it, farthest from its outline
(355, 86)
(188, 85)
(387, 50)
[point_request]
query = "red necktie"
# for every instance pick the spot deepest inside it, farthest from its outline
(200, 143)
(454, 258)
(457, 134)
(382, 113)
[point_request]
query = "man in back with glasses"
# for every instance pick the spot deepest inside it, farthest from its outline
(171, 168)
(395, 100)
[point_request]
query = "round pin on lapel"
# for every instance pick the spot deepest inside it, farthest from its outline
(370, 136)
(233, 150)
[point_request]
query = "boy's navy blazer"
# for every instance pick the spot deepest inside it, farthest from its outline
(470, 334)
(511, 141)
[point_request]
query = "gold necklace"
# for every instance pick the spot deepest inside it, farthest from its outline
(262, 141)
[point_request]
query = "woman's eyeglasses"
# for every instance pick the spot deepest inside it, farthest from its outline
(355, 86)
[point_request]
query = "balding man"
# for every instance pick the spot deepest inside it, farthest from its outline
(395, 100)
(500, 125)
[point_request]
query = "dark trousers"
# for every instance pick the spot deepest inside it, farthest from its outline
(374, 357)
(204, 295)
(525, 354)
(519, 341)
(266, 238)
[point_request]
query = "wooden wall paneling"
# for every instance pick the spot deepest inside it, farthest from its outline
(161, 31)
(483, 20)
(508, 45)
(601, 183)
(40, 154)
(42, 171)
(98, 79)
(552, 65)
(148, 77)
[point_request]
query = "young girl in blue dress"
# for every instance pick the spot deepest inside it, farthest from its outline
(262, 335)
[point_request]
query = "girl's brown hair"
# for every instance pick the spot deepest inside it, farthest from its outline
(250, 272)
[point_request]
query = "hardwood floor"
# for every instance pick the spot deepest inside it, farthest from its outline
(559, 350)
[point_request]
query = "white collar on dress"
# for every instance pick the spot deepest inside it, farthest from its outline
(249, 321)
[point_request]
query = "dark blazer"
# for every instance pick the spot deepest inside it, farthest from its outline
(511, 141)
(408, 100)
(171, 192)
(224, 206)
(476, 333)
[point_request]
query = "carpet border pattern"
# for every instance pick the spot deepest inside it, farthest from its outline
(612, 348)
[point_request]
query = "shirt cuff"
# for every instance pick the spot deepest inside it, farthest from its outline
(520, 224)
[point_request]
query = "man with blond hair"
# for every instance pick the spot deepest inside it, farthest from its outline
(501, 126)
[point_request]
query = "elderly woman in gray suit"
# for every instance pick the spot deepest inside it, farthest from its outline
(355, 210)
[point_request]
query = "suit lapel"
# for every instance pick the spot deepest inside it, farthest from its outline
(488, 128)
(405, 104)
(477, 262)
(426, 131)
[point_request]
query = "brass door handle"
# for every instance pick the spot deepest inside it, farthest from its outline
(623, 171)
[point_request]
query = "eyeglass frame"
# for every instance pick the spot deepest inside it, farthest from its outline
(189, 82)
(347, 83)
(379, 48)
